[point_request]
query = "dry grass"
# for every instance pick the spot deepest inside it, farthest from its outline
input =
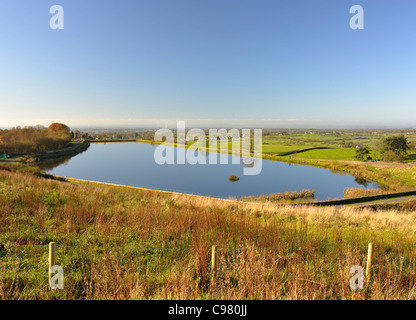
(350, 193)
(283, 197)
(123, 243)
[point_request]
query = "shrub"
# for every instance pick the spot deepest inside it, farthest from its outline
(233, 178)
(394, 148)
(362, 153)
(391, 156)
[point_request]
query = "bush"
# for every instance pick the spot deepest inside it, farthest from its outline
(362, 153)
(394, 148)
(391, 156)
(233, 178)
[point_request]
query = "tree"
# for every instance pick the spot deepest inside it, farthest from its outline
(32, 139)
(394, 148)
(59, 128)
(362, 153)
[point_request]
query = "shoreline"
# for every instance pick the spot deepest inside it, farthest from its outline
(333, 165)
(369, 171)
(32, 158)
(319, 203)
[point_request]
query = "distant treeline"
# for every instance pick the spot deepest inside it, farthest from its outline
(122, 134)
(34, 139)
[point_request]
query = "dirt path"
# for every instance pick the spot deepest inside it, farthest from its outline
(383, 201)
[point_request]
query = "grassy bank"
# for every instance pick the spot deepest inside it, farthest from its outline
(283, 197)
(35, 157)
(124, 243)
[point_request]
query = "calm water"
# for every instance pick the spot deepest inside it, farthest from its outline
(133, 164)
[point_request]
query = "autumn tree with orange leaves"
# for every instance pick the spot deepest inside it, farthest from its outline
(58, 128)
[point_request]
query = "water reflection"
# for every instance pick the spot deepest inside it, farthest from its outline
(54, 163)
(51, 164)
(362, 181)
(133, 164)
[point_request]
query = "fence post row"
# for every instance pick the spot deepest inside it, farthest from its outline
(52, 262)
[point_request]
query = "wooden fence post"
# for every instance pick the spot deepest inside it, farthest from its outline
(369, 257)
(52, 258)
(213, 266)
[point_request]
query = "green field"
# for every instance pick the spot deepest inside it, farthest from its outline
(330, 154)
(342, 144)
(279, 149)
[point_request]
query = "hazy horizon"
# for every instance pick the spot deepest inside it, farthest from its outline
(226, 124)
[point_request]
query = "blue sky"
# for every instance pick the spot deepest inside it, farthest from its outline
(270, 63)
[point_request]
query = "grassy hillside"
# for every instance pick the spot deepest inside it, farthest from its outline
(124, 243)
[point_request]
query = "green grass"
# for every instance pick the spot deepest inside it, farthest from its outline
(279, 149)
(120, 243)
(328, 154)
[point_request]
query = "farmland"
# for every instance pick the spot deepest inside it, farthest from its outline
(340, 144)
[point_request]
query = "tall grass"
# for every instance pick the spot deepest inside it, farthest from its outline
(350, 193)
(124, 244)
(283, 197)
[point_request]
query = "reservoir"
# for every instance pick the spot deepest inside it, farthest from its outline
(133, 164)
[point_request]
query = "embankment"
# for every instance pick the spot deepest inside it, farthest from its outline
(363, 199)
(72, 150)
